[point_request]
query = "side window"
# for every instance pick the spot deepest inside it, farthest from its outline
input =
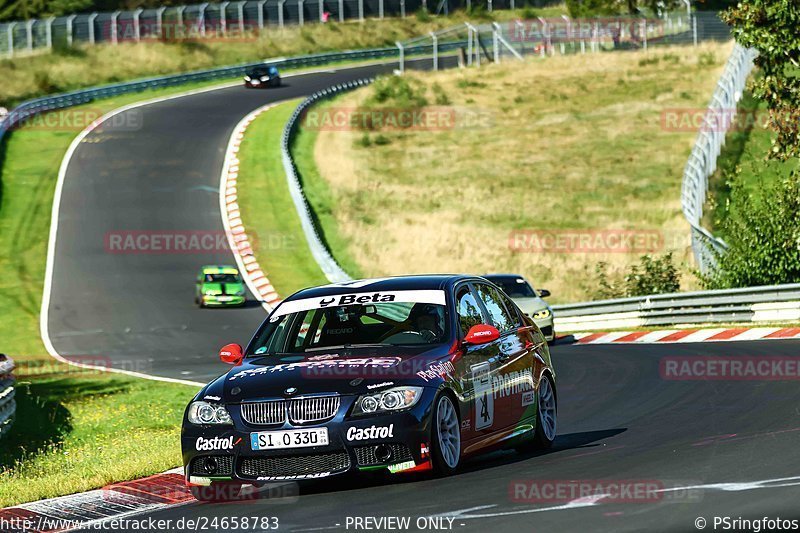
(516, 319)
(502, 319)
(469, 313)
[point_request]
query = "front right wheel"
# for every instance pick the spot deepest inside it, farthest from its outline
(446, 436)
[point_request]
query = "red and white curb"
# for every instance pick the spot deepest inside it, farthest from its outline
(89, 509)
(240, 242)
(686, 335)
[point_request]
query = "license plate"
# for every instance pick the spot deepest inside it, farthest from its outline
(290, 438)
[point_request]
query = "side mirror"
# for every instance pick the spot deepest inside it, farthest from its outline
(544, 293)
(231, 354)
(481, 334)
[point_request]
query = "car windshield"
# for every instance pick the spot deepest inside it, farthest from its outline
(222, 278)
(263, 71)
(514, 287)
(353, 326)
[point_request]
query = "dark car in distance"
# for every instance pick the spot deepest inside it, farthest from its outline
(262, 76)
(402, 374)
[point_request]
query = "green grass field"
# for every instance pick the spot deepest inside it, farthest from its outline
(267, 209)
(745, 151)
(84, 66)
(564, 144)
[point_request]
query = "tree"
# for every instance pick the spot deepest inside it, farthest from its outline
(763, 236)
(771, 27)
(595, 8)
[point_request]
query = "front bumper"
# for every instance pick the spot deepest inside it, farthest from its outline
(222, 300)
(546, 325)
(405, 447)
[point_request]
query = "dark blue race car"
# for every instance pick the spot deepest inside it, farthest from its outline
(262, 76)
(400, 374)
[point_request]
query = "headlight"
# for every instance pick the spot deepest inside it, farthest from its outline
(544, 313)
(208, 413)
(264, 78)
(395, 399)
(247, 78)
(211, 292)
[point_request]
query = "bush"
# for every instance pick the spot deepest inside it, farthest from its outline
(650, 276)
(397, 91)
(763, 236)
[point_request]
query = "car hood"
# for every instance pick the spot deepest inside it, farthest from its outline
(322, 372)
(530, 306)
(230, 288)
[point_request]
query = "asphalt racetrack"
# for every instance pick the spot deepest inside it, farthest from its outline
(693, 449)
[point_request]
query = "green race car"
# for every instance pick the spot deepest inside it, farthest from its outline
(219, 286)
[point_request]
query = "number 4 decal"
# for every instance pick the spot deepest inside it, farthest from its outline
(484, 396)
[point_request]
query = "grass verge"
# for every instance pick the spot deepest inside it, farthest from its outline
(85, 66)
(572, 144)
(267, 208)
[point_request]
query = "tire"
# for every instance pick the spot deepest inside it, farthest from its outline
(546, 424)
(445, 436)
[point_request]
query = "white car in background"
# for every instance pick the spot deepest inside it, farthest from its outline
(528, 299)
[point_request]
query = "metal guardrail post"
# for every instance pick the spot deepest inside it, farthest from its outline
(115, 27)
(261, 5)
(137, 29)
(160, 21)
(435, 40)
(29, 34)
(179, 13)
(402, 56)
(201, 18)
(90, 22)
(240, 14)
(70, 29)
(223, 18)
(49, 32)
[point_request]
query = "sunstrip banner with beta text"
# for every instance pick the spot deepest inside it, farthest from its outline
(361, 298)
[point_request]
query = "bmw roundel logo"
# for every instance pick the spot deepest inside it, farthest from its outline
(290, 391)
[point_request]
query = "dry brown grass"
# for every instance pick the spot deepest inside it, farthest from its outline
(573, 143)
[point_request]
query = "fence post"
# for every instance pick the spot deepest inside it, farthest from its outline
(261, 4)
(321, 9)
(160, 21)
(70, 28)
(495, 45)
(280, 13)
(223, 18)
(180, 12)
(114, 17)
(435, 40)
(49, 30)
(361, 10)
(694, 29)
(29, 33)
(201, 18)
(644, 34)
(469, 44)
(90, 22)
(403, 8)
(341, 10)
(10, 27)
(489, 6)
(240, 14)
(137, 29)
(300, 10)
(380, 8)
(402, 57)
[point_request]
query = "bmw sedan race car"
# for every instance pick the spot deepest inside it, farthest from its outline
(219, 286)
(262, 76)
(402, 374)
(528, 299)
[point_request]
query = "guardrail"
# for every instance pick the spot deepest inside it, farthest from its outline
(319, 250)
(7, 404)
(702, 162)
(33, 107)
(765, 304)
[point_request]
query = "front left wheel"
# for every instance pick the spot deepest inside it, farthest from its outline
(446, 436)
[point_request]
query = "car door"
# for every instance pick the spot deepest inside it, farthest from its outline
(511, 371)
(474, 368)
